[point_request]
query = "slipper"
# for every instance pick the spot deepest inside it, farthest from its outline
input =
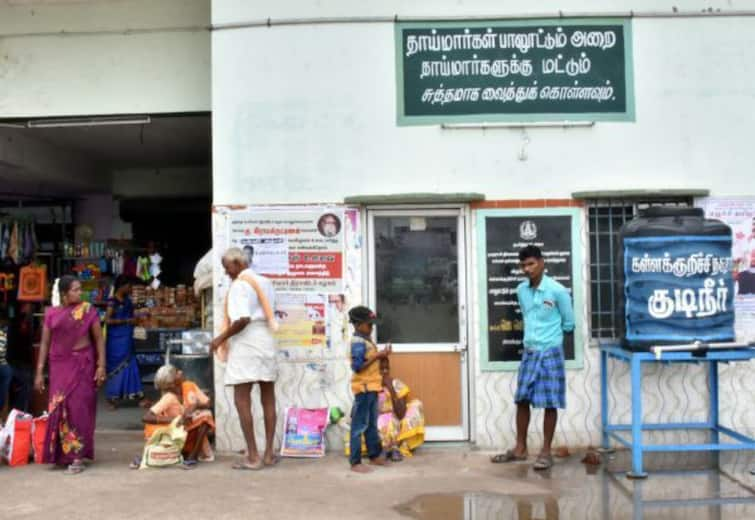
(74, 469)
(507, 456)
(276, 460)
(188, 464)
(136, 463)
(543, 462)
(248, 466)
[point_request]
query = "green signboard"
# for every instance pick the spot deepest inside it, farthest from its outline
(533, 70)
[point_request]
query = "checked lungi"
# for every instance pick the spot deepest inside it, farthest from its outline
(541, 380)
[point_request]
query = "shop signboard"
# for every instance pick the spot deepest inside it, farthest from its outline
(503, 234)
(518, 70)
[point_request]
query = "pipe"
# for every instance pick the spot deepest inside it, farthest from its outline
(517, 125)
(347, 20)
(341, 20)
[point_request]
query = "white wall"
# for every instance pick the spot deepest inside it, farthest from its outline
(316, 110)
(126, 56)
(229, 11)
(306, 114)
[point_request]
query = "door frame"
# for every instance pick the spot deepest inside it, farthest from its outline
(462, 214)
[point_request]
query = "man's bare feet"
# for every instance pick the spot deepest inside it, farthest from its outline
(270, 459)
(379, 461)
(360, 468)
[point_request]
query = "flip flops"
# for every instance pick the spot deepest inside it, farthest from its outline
(507, 456)
(543, 462)
(248, 466)
(75, 468)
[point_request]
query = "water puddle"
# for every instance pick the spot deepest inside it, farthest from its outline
(693, 489)
(480, 506)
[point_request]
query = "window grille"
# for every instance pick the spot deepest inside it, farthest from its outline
(606, 216)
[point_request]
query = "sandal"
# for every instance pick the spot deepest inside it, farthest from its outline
(246, 465)
(396, 456)
(136, 463)
(507, 456)
(75, 468)
(188, 464)
(543, 462)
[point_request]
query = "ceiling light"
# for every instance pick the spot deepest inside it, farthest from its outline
(88, 121)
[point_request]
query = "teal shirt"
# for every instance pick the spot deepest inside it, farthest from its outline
(547, 312)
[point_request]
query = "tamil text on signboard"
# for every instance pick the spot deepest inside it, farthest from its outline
(494, 70)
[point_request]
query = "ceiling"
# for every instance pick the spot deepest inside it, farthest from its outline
(167, 141)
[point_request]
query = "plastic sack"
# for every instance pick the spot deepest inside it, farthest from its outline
(38, 432)
(304, 432)
(15, 439)
(164, 447)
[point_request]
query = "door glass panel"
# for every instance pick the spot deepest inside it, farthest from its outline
(416, 275)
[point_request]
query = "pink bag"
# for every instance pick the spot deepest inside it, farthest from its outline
(304, 432)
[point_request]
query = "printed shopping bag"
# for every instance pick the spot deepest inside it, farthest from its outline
(15, 439)
(164, 446)
(304, 432)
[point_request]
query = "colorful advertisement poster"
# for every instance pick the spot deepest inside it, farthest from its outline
(302, 319)
(299, 250)
(739, 214)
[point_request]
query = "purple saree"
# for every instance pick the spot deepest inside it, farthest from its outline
(73, 393)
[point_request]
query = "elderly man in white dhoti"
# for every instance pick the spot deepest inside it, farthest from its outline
(248, 346)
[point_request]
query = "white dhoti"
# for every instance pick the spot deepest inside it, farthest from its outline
(252, 355)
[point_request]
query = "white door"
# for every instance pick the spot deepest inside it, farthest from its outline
(417, 286)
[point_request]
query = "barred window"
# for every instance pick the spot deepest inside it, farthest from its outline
(606, 216)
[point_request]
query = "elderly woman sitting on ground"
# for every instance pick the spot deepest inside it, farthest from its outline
(183, 398)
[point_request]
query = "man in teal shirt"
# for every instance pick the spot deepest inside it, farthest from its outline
(541, 382)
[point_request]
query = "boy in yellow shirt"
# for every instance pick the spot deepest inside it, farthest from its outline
(366, 384)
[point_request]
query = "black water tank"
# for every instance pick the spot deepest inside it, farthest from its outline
(674, 279)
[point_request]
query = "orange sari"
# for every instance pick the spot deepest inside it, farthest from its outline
(193, 396)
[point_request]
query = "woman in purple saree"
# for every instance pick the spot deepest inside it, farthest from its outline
(73, 339)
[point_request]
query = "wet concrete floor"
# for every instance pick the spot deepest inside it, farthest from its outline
(690, 486)
(440, 482)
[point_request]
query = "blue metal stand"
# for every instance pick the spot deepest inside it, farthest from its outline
(635, 361)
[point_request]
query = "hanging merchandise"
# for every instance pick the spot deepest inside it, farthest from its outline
(28, 249)
(142, 269)
(7, 285)
(6, 240)
(154, 269)
(32, 283)
(13, 244)
(18, 240)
